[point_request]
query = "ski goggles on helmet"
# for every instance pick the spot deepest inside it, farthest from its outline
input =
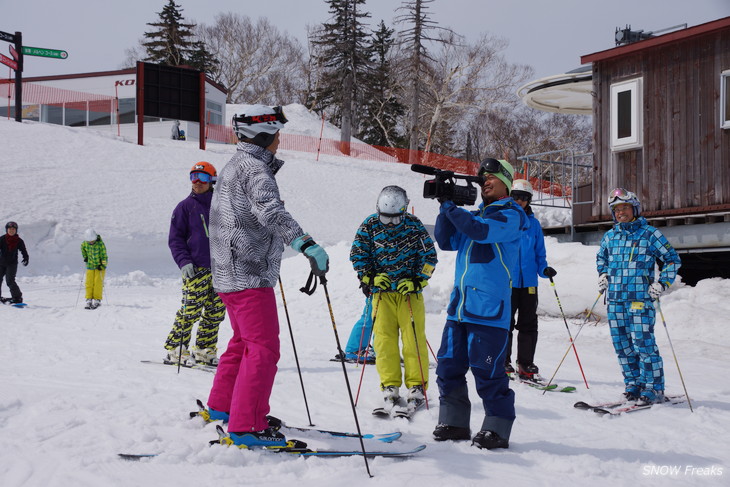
(620, 195)
(11, 225)
(520, 195)
(493, 166)
(390, 219)
(277, 116)
(203, 177)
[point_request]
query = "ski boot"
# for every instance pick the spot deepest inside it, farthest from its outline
(444, 432)
(529, 372)
(207, 356)
(89, 304)
(174, 356)
(416, 398)
(489, 440)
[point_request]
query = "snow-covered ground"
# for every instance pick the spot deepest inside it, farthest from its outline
(73, 392)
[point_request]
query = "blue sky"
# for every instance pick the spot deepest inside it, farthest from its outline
(549, 35)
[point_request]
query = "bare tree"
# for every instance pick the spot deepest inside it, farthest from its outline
(415, 38)
(257, 63)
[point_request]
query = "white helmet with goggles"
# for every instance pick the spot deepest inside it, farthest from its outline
(392, 205)
(259, 124)
(621, 196)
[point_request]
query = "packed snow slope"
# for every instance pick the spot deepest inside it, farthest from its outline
(74, 394)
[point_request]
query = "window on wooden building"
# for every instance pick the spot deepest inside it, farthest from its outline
(725, 99)
(626, 118)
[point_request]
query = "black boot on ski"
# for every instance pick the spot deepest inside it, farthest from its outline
(489, 440)
(444, 432)
(528, 372)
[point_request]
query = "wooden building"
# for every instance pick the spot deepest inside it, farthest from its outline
(661, 113)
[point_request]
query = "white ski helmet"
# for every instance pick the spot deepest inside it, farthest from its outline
(619, 196)
(521, 189)
(90, 235)
(259, 124)
(392, 205)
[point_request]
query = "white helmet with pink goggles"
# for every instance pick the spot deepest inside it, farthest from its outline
(621, 196)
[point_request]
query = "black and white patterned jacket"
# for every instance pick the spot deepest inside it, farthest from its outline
(248, 223)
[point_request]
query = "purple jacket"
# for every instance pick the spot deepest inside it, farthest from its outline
(188, 239)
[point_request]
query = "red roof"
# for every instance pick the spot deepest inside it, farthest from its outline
(705, 28)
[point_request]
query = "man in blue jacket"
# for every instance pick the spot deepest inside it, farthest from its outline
(189, 244)
(476, 331)
(625, 264)
(531, 263)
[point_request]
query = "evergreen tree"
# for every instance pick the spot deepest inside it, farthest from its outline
(342, 54)
(382, 109)
(172, 42)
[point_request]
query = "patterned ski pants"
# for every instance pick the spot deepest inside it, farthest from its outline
(199, 301)
(632, 332)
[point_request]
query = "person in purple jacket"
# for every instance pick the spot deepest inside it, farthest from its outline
(189, 244)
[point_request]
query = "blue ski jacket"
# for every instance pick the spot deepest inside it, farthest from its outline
(628, 253)
(531, 259)
(487, 242)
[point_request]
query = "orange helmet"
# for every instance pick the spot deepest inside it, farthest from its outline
(205, 168)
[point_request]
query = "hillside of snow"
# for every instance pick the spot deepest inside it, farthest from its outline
(74, 393)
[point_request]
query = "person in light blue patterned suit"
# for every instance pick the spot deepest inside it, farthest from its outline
(626, 266)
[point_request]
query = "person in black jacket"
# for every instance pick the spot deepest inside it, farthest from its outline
(10, 245)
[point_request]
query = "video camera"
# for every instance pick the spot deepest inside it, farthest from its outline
(444, 187)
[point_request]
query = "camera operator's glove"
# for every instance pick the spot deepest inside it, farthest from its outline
(188, 271)
(550, 272)
(656, 290)
(319, 261)
(408, 286)
(602, 283)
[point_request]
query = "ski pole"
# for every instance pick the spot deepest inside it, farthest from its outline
(418, 351)
(658, 306)
(570, 335)
(362, 372)
(78, 295)
(431, 349)
(590, 312)
(323, 280)
(294, 347)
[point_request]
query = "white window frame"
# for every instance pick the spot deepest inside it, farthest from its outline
(634, 140)
(724, 94)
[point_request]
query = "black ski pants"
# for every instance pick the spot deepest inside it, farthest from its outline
(524, 304)
(9, 271)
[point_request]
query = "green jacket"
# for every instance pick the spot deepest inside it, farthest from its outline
(94, 254)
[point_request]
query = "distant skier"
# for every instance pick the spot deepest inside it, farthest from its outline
(190, 246)
(10, 245)
(93, 251)
(625, 264)
(249, 228)
(175, 131)
(394, 256)
(478, 315)
(531, 263)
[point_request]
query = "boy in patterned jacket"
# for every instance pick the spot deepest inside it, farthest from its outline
(394, 257)
(625, 264)
(93, 251)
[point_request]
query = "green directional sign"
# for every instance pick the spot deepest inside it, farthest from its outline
(43, 52)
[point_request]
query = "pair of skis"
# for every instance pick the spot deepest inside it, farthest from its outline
(204, 367)
(616, 408)
(539, 383)
(297, 447)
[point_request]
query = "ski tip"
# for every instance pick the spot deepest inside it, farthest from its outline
(582, 405)
(601, 411)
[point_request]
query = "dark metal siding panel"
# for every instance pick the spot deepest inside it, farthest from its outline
(685, 160)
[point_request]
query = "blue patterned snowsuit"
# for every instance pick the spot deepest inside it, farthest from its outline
(628, 254)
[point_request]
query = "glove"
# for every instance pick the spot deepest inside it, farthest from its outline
(188, 271)
(656, 290)
(100, 267)
(319, 261)
(25, 261)
(365, 288)
(602, 283)
(408, 286)
(382, 281)
(86, 260)
(550, 272)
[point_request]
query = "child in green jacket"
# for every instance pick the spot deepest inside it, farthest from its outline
(93, 251)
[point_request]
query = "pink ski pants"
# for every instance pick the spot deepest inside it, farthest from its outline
(246, 371)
